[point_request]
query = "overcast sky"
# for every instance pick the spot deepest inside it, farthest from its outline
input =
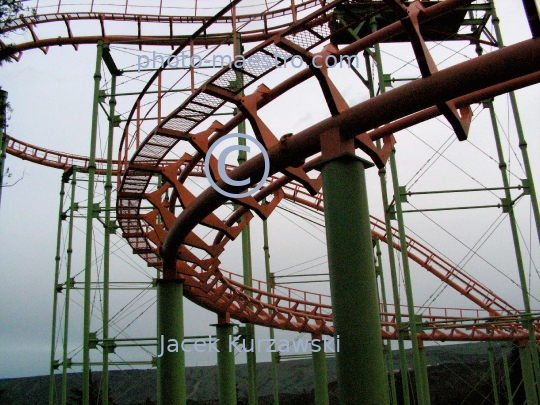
(51, 98)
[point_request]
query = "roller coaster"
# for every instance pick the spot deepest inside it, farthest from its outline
(182, 232)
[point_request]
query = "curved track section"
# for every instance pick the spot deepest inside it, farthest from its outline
(157, 233)
(57, 159)
(52, 158)
(162, 17)
(438, 266)
(268, 22)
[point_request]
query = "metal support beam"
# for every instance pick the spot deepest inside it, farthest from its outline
(387, 346)
(269, 287)
(53, 365)
(226, 368)
(404, 368)
(106, 247)
(89, 225)
(528, 375)
(352, 282)
(527, 322)
(507, 382)
(251, 356)
(420, 373)
(519, 128)
(171, 364)
(65, 360)
(493, 374)
(319, 372)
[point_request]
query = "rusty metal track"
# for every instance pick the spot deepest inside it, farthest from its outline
(34, 20)
(205, 282)
(426, 258)
(31, 21)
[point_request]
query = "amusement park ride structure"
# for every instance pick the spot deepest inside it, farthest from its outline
(182, 232)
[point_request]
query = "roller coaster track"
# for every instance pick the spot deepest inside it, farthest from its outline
(57, 160)
(205, 282)
(30, 22)
(438, 266)
(160, 234)
(26, 21)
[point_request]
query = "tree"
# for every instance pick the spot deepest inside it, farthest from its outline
(9, 11)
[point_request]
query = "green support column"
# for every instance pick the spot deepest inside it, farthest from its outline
(507, 374)
(422, 385)
(404, 367)
(171, 365)
(387, 346)
(493, 374)
(53, 365)
(528, 375)
(360, 366)
(420, 372)
(253, 398)
(109, 228)
(269, 287)
(3, 137)
(508, 207)
(521, 135)
(89, 225)
(65, 360)
(226, 368)
(319, 372)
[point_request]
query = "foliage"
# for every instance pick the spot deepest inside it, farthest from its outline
(9, 11)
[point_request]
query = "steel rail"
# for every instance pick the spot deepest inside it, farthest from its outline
(473, 76)
(23, 22)
(425, 257)
(56, 159)
(217, 288)
(233, 300)
(248, 36)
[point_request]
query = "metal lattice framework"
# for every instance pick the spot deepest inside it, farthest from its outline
(218, 290)
(168, 224)
(173, 238)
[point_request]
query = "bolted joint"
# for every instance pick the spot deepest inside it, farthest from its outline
(93, 340)
(526, 184)
(487, 103)
(391, 212)
(109, 346)
(403, 194)
(116, 120)
(67, 363)
(96, 210)
(506, 204)
(102, 95)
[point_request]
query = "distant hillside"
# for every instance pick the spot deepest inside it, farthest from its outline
(458, 366)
